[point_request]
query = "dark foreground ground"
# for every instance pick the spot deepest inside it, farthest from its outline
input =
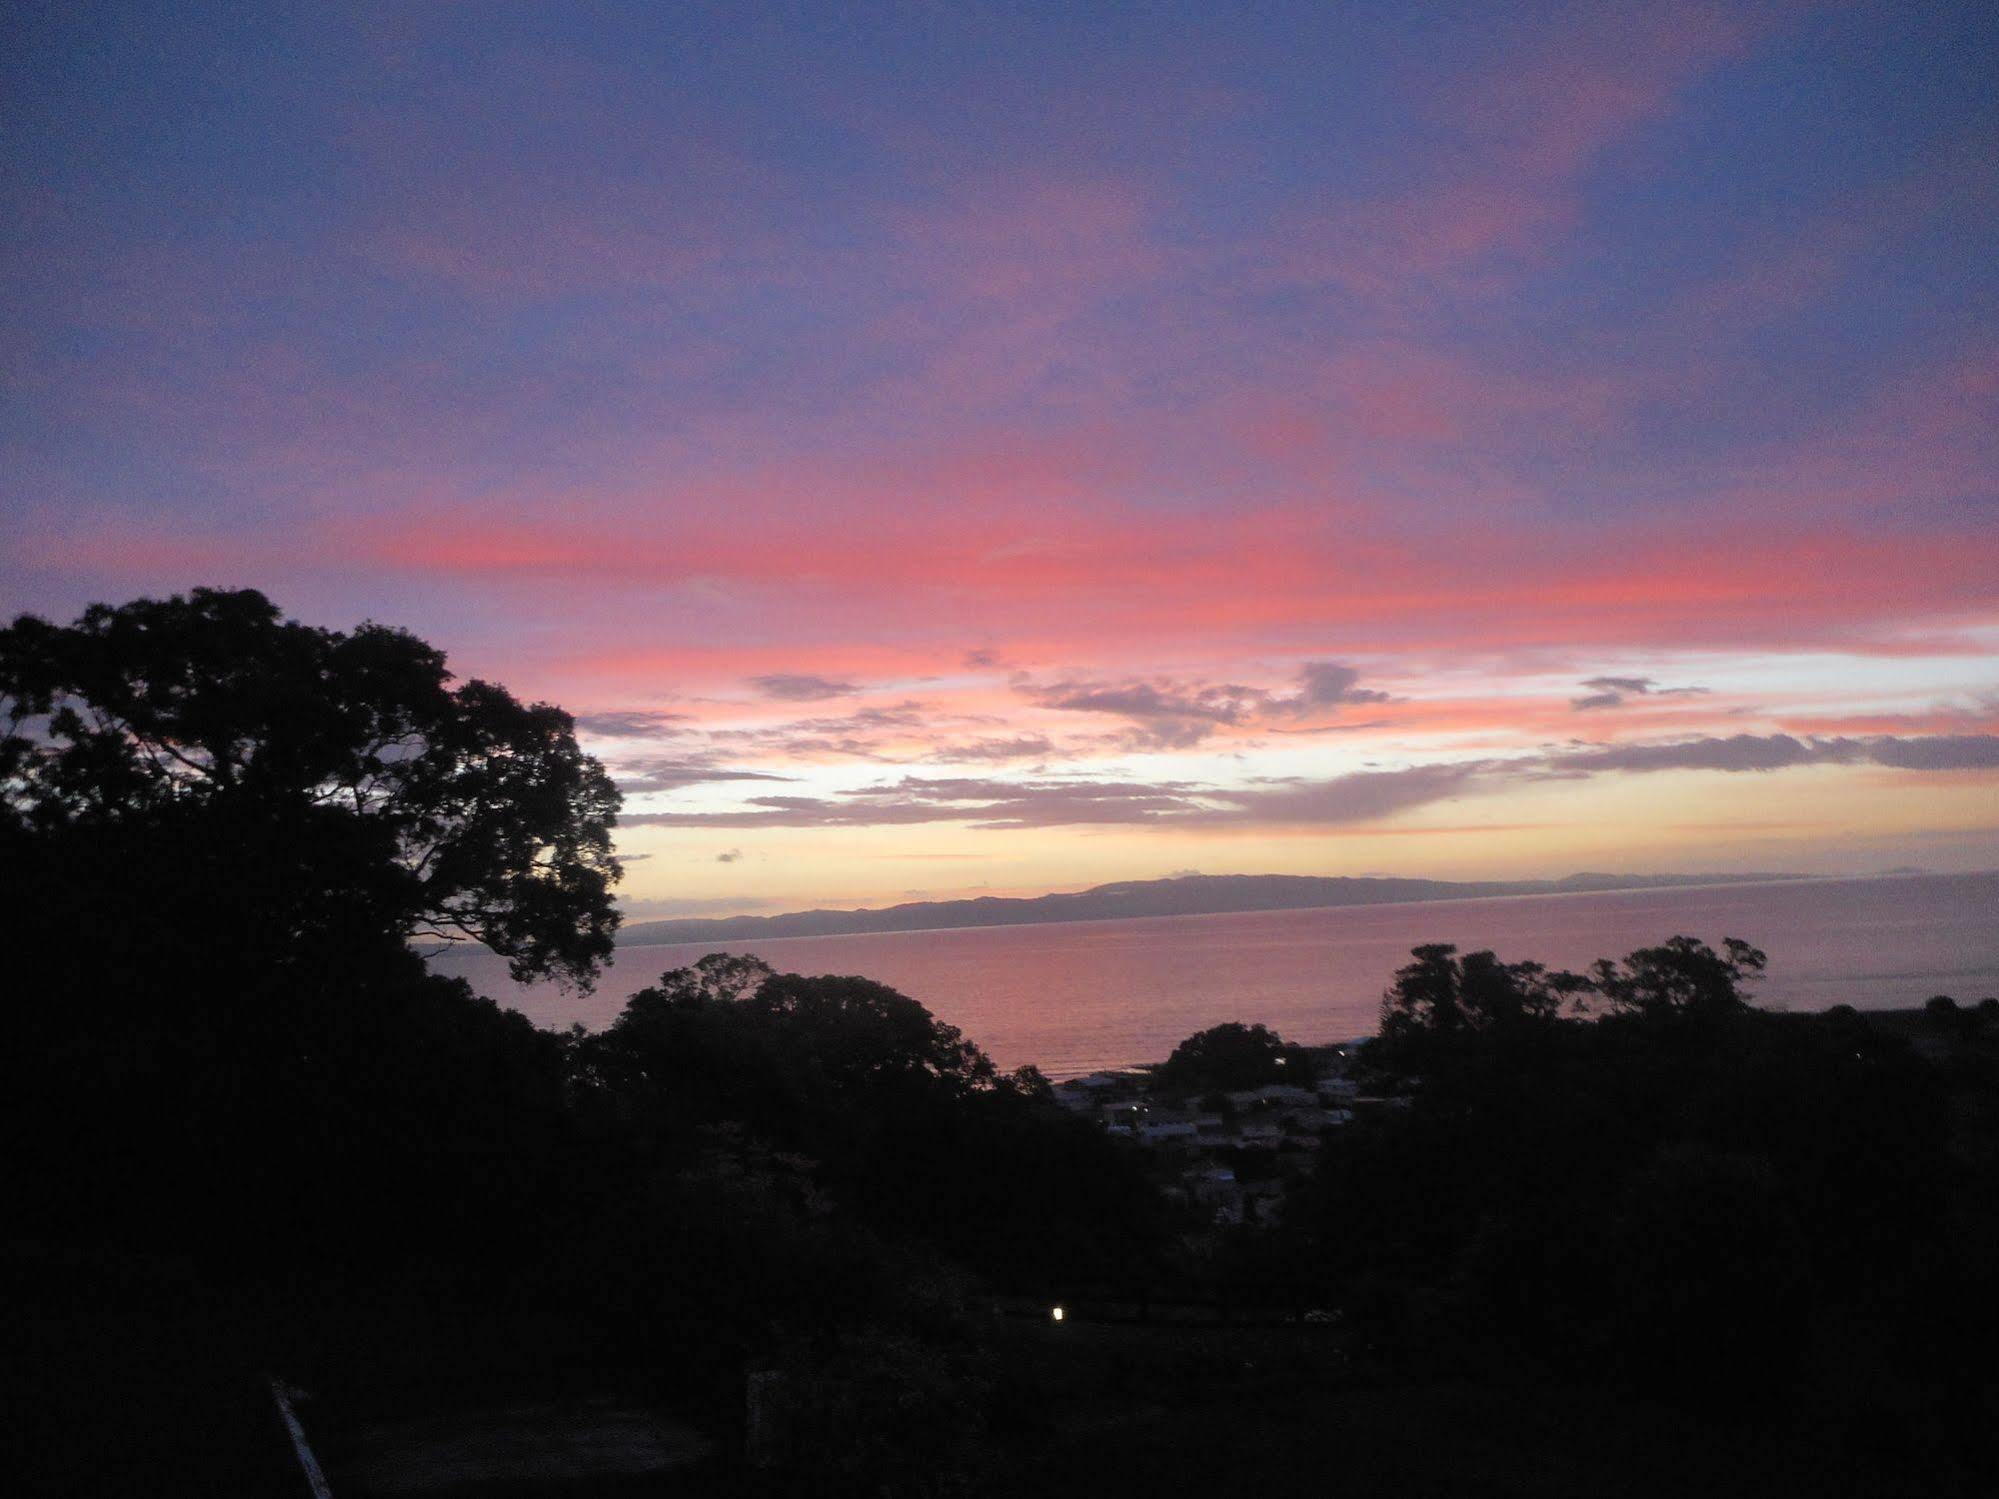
(118, 1398)
(136, 1377)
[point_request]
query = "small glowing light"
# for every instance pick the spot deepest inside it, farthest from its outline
(1057, 1314)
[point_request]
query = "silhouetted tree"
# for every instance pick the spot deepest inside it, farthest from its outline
(1441, 994)
(221, 830)
(1233, 1056)
(1683, 976)
(1683, 1194)
(908, 1125)
(311, 785)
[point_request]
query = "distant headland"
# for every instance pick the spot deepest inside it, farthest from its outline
(1183, 895)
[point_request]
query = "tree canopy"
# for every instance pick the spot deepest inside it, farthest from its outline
(1233, 1055)
(908, 1125)
(1443, 1001)
(1683, 976)
(1635, 1176)
(1442, 993)
(315, 782)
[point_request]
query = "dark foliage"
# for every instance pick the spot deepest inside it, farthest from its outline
(1232, 1056)
(229, 1072)
(299, 788)
(1759, 1216)
(907, 1124)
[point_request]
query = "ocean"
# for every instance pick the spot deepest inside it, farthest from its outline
(1077, 996)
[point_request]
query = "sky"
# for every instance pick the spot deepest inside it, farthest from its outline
(944, 449)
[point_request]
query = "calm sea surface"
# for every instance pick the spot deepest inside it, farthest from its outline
(1076, 996)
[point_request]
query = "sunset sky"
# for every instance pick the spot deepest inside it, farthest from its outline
(944, 449)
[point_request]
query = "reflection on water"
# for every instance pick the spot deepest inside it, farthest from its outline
(1076, 996)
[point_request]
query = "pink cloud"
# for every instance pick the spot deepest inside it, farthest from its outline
(973, 544)
(1523, 129)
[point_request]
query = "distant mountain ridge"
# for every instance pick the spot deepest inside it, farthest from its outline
(1185, 895)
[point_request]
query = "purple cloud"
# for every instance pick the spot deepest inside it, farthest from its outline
(1766, 752)
(1363, 796)
(801, 687)
(1023, 747)
(636, 724)
(1326, 684)
(983, 803)
(673, 772)
(1357, 797)
(1610, 692)
(1169, 715)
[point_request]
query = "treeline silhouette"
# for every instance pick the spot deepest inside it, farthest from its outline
(250, 1132)
(244, 1115)
(1639, 1179)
